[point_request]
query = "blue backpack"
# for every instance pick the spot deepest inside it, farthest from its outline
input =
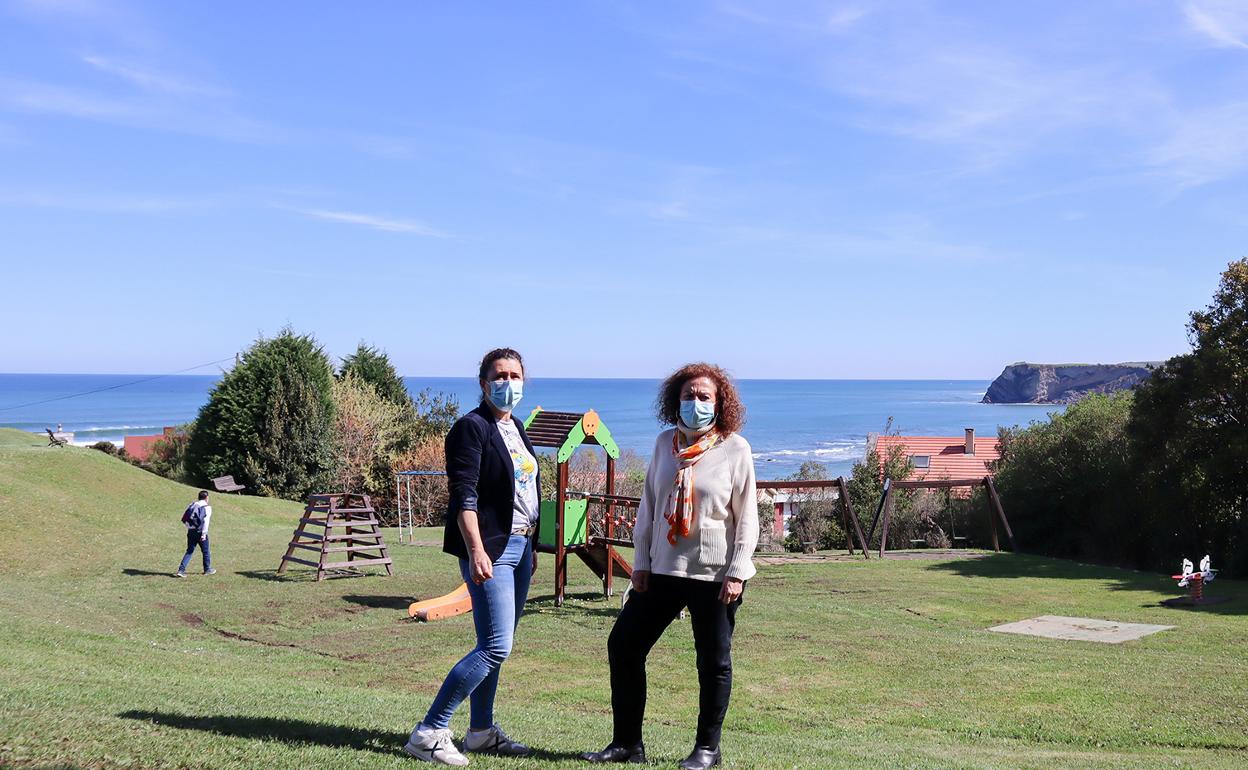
(192, 516)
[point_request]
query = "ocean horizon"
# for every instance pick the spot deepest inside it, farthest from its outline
(788, 422)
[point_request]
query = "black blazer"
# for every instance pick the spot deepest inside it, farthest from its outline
(481, 478)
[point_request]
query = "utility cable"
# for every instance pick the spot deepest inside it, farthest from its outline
(114, 387)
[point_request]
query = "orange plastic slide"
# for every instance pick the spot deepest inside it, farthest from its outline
(457, 602)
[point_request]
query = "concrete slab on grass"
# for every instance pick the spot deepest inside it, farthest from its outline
(1080, 629)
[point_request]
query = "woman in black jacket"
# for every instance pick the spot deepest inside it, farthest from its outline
(491, 519)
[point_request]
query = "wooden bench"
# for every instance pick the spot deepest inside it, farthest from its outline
(55, 440)
(226, 484)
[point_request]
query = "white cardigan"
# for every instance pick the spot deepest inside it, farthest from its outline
(724, 534)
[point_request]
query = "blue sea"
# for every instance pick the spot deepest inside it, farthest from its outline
(788, 421)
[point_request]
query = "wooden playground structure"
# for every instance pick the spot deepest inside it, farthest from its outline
(348, 526)
(565, 525)
(995, 511)
(848, 516)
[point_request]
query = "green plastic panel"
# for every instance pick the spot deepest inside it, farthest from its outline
(575, 438)
(573, 523)
(604, 439)
(532, 415)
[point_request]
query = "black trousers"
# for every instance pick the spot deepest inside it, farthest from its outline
(642, 621)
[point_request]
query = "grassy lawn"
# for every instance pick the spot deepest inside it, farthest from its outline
(109, 663)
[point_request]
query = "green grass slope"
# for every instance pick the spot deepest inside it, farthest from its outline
(109, 663)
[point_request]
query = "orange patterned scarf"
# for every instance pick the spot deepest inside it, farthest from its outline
(679, 513)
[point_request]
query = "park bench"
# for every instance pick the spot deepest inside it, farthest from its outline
(55, 440)
(226, 484)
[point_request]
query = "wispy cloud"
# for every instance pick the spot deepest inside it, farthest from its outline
(816, 18)
(913, 71)
(1224, 22)
(104, 203)
(373, 221)
(994, 102)
(142, 89)
(150, 79)
(124, 24)
(209, 118)
(37, 97)
(1205, 145)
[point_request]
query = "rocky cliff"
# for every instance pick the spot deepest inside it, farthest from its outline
(1025, 383)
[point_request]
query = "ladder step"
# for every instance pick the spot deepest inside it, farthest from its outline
(306, 546)
(358, 563)
(301, 561)
(354, 523)
(346, 548)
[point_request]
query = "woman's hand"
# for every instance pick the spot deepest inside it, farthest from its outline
(731, 590)
(480, 568)
(641, 580)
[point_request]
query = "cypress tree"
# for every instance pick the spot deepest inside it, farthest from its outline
(370, 365)
(269, 421)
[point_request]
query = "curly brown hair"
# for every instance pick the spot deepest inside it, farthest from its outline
(729, 411)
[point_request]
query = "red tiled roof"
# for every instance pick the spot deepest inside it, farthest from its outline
(949, 459)
(140, 447)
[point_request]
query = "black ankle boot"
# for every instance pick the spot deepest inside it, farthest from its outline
(701, 759)
(635, 754)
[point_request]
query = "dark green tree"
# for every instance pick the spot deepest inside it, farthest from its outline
(1190, 430)
(371, 365)
(269, 421)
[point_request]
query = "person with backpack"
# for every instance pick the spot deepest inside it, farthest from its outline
(196, 518)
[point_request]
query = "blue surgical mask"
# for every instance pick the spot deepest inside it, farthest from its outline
(505, 394)
(696, 415)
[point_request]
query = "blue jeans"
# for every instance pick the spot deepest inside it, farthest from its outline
(192, 540)
(496, 607)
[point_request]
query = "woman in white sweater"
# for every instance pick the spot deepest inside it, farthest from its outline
(696, 530)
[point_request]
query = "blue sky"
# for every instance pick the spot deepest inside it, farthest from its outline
(799, 189)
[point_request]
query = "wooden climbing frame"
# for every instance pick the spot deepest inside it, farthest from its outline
(346, 524)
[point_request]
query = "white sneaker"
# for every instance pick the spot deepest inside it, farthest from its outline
(494, 741)
(434, 746)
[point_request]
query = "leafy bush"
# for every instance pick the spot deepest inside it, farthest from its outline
(107, 447)
(168, 455)
(430, 494)
(367, 428)
(1065, 483)
(269, 421)
(866, 489)
(435, 413)
(816, 521)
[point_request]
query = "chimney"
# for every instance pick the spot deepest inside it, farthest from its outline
(970, 441)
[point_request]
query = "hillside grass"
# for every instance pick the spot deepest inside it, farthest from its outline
(110, 663)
